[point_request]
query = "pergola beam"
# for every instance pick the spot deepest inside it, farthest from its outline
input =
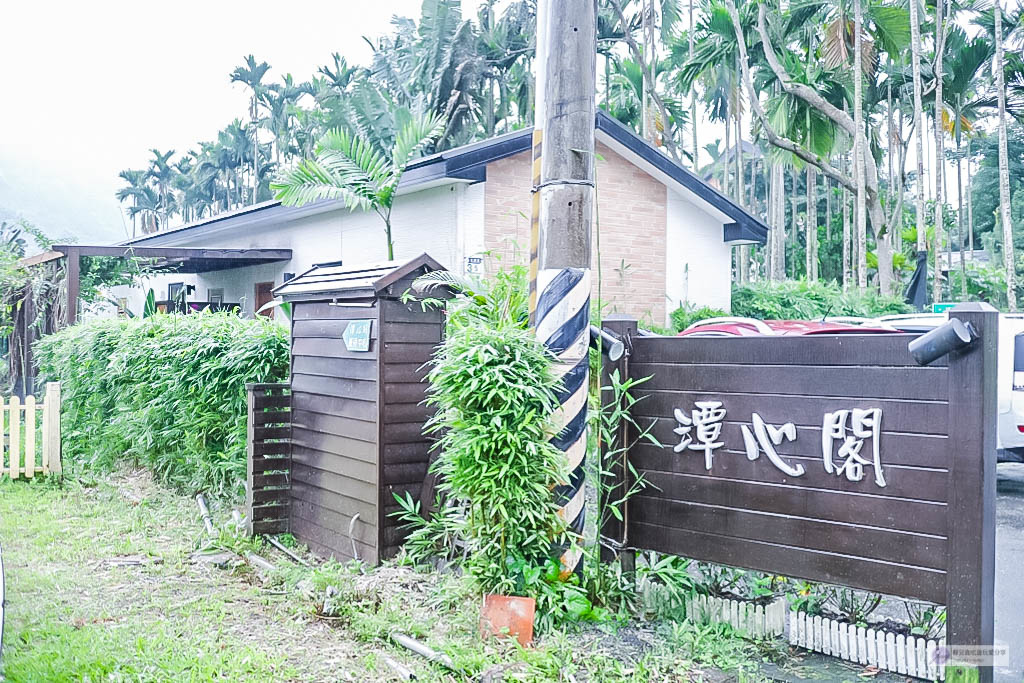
(177, 252)
(171, 256)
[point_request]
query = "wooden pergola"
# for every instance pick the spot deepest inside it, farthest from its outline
(175, 259)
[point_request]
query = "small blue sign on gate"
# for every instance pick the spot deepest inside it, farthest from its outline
(357, 335)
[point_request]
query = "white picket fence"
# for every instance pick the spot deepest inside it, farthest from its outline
(907, 655)
(756, 621)
(30, 433)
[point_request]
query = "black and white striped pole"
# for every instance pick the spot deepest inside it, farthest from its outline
(561, 222)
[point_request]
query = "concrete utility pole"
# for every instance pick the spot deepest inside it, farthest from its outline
(563, 209)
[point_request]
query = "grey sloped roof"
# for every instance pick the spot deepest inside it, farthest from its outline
(364, 280)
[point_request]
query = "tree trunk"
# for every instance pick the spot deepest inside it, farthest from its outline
(940, 195)
(1004, 168)
(693, 96)
(811, 237)
(970, 202)
(847, 275)
(960, 222)
(915, 57)
(794, 231)
(743, 249)
(858, 118)
(255, 152)
(725, 160)
(778, 224)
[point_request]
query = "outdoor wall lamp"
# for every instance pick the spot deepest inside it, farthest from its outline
(945, 338)
(611, 344)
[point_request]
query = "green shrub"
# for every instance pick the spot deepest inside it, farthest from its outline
(167, 392)
(803, 300)
(687, 314)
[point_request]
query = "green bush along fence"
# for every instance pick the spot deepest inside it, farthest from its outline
(167, 392)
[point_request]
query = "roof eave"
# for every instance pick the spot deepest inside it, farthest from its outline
(752, 229)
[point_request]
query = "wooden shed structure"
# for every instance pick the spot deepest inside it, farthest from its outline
(357, 412)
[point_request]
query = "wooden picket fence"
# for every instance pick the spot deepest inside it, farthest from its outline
(907, 655)
(30, 433)
(756, 621)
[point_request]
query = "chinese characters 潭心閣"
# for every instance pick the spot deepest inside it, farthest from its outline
(844, 434)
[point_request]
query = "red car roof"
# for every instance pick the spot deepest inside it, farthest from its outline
(782, 328)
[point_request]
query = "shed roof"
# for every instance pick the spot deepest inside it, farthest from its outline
(361, 281)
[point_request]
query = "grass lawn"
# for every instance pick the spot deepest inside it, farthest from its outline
(102, 585)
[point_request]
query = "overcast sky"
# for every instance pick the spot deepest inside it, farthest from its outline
(89, 88)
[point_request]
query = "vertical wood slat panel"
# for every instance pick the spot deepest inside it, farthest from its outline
(45, 446)
(15, 436)
(30, 436)
(53, 406)
(268, 504)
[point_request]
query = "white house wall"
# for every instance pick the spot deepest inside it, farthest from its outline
(423, 221)
(698, 263)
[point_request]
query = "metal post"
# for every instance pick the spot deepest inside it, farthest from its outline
(563, 208)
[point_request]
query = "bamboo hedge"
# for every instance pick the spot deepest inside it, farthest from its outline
(167, 392)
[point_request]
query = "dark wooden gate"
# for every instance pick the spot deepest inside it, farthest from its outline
(920, 525)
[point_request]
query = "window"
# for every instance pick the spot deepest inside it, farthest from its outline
(215, 296)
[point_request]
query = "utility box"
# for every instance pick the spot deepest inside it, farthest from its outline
(357, 404)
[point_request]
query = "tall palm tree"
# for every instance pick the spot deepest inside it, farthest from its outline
(350, 168)
(162, 173)
(251, 75)
(136, 180)
(282, 100)
(859, 151)
(940, 157)
(915, 61)
(1004, 165)
(964, 104)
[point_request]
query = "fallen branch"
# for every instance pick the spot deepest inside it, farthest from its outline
(205, 512)
(422, 650)
(259, 562)
(402, 671)
(280, 546)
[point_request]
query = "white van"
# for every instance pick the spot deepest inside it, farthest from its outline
(1010, 381)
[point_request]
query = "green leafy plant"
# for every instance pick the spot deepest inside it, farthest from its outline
(718, 580)
(853, 605)
(167, 392)
(667, 581)
(619, 432)
(803, 300)
(438, 536)
(149, 307)
(807, 597)
(926, 620)
(560, 599)
(352, 168)
(493, 385)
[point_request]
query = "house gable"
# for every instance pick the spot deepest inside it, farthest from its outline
(631, 214)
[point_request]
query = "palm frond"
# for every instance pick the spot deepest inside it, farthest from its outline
(310, 180)
(437, 279)
(414, 136)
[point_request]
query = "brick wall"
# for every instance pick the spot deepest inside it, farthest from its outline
(632, 212)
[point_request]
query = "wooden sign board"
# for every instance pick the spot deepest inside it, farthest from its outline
(829, 458)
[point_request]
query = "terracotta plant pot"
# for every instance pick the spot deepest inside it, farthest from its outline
(507, 615)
